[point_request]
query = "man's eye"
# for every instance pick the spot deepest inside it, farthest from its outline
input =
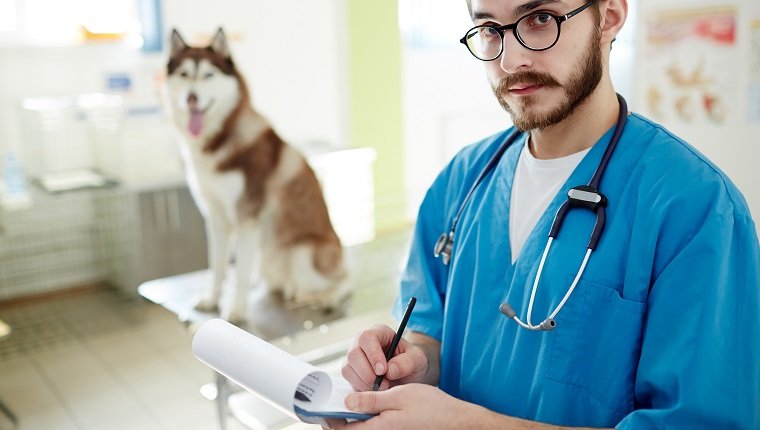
(490, 32)
(540, 19)
(183, 74)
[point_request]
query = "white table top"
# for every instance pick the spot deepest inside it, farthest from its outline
(267, 315)
(312, 334)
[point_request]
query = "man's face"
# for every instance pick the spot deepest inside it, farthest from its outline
(542, 88)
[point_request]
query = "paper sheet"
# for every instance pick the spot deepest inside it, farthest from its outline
(273, 374)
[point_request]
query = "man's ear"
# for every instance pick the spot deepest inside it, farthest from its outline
(614, 14)
(219, 44)
(176, 43)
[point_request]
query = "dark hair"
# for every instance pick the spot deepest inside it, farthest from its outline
(594, 9)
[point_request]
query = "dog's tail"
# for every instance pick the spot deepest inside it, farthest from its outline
(317, 275)
(330, 261)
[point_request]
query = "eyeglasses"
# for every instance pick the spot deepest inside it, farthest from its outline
(537, 31)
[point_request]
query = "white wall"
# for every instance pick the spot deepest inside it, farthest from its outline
(734, 146)
(47, 72)
(292, 54)
(448, 102)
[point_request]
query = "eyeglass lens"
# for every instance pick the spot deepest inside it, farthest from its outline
(536, 31)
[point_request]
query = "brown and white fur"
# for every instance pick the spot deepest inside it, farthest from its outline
(261, 201)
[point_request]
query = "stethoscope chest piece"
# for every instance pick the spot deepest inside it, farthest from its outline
(444, 246)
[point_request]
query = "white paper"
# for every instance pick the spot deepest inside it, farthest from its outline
(266, 370)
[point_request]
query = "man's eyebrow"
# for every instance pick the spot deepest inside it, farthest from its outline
(519, 10)
(527, 7)
(481, 15)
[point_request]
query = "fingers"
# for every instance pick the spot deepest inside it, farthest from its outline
(374, 402)
(366, 357)
(410, 361)
(359, 383)
(334, 424)
(372, 342)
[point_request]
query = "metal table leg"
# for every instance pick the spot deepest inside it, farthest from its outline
(222, 392)
(7, 412)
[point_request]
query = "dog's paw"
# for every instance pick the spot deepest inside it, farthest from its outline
(289, 295)
(234, 313)
(233, 316)
(206, 304)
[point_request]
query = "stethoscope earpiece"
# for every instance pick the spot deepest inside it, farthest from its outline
(507, 310)
(546, 325)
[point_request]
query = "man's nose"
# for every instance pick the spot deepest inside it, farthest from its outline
(514, 56)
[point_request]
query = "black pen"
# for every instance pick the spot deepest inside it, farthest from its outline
(396, 339)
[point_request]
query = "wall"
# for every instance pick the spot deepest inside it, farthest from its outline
(448, 102)
(733, 146)
(296, 70)
(292, 54)
(375, 101)
(48, 72)
(329, 71)
(316, 68)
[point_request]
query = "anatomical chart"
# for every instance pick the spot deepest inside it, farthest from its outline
(689, 69)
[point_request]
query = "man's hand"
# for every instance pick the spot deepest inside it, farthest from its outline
(411, 406)
(421, 406)
(411, 362)
(408, 399)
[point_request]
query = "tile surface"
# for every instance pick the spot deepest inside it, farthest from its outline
(105, 360)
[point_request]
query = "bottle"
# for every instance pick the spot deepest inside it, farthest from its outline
(14, 180)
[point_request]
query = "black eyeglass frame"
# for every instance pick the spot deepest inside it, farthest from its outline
(503, 28)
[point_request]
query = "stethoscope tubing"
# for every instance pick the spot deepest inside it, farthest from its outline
(489, 167)
(586, 196)
(550, 319)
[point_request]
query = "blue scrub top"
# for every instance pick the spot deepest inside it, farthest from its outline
(661, 332)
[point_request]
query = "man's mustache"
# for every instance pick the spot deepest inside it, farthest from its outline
(528, 77)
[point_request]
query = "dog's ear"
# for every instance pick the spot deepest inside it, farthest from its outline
(219, 44)
(177, 43)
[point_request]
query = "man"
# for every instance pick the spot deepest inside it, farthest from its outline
(656, 328)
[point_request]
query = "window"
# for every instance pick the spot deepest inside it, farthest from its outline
(53, 23)
(7, 15)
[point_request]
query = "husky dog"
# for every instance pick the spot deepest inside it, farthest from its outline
(261, 201)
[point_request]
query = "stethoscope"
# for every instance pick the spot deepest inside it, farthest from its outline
(582, 196)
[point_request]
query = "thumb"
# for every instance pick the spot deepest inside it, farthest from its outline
(372, 402)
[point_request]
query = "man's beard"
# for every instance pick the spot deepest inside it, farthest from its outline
(580, 85)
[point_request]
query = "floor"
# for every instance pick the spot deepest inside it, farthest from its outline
(106, 360)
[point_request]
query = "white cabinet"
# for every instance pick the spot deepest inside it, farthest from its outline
(346, 178)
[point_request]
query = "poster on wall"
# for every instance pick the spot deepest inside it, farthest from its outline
(753, 91)
(689, 72)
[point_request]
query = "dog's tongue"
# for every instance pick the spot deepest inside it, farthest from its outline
(196, 123)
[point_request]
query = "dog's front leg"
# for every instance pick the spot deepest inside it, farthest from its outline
(219, 239)
(247, 268)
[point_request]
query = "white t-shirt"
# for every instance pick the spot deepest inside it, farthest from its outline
(535, 184)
